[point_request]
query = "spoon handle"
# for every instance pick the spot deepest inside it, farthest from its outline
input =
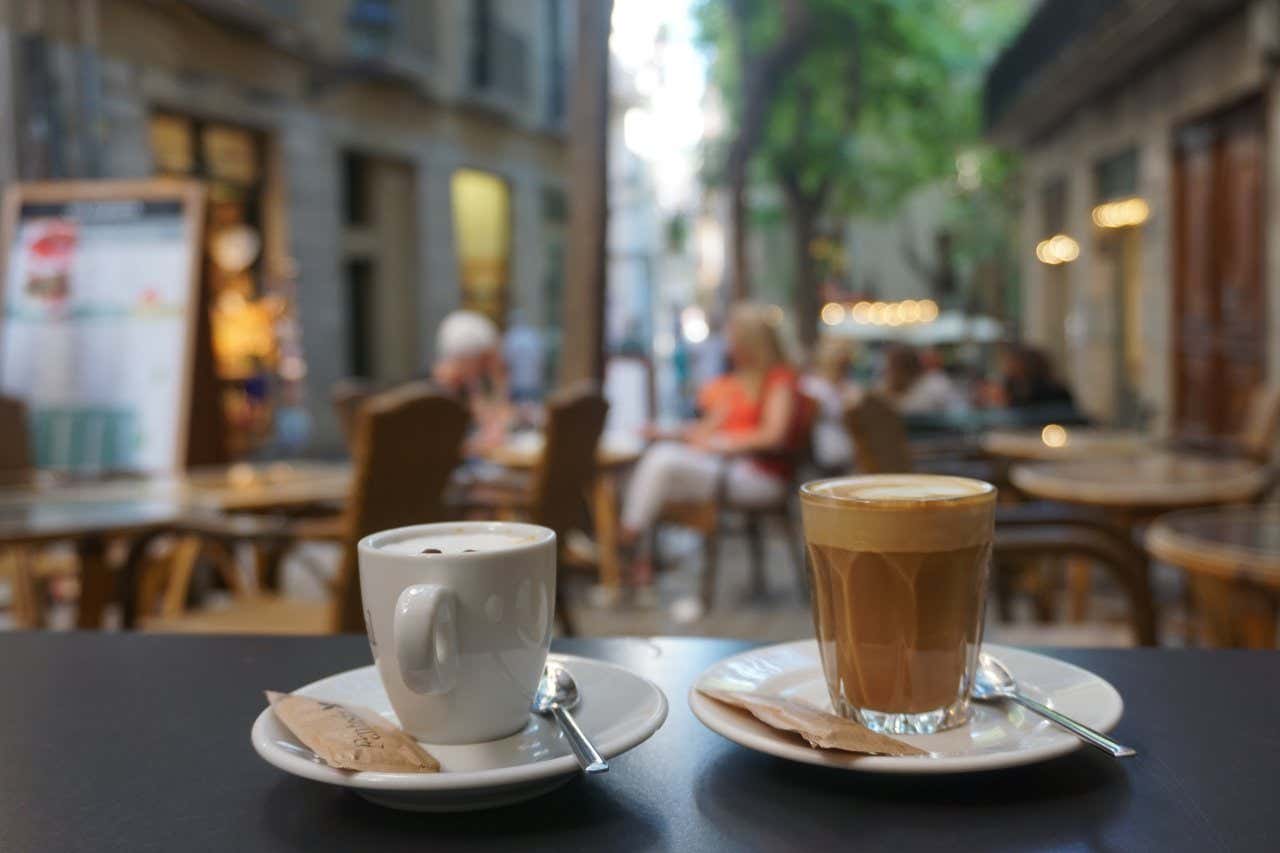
(1086, 734)
(590, 760)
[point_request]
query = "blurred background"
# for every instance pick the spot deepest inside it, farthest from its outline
(1026, 227)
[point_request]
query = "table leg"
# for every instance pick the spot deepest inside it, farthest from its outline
(1235, 614)
(130, 578)
(95, 582)
(1079, 588)
(604, 500)
(267, 557)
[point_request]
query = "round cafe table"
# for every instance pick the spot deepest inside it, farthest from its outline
(1133, 489)
(1142, 484)
(1056, 443)
(1232, 558)
(615, 453)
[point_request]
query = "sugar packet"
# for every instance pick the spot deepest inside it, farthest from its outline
(350, 738)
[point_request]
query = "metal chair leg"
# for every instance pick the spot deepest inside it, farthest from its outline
(755, 548)
(710, 565)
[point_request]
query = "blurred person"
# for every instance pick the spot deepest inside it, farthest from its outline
(750, 415)
(1025, 378)
(525, 354)
(915, 390)
(468, 366)
(827, 383)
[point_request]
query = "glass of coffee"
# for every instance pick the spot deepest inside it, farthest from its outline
(899, 566)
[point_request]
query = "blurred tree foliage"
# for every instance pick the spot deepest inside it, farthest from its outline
(880, 97)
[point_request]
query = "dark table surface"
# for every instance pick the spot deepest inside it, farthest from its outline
(135, 743)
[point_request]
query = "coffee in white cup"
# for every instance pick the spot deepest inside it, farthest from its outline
(459, 617)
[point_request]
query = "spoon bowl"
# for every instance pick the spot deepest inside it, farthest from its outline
(556, 695)
(994, 683)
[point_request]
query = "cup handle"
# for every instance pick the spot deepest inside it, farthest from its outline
(426, 638)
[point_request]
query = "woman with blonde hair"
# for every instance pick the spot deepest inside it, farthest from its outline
(751, 418)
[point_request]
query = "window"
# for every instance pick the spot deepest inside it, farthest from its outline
(555, 62)
(482, 237)
(360, 314)
(355, 189)
(481, 39)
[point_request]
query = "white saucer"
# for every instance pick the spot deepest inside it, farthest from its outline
(619, 710)
(1001, 735)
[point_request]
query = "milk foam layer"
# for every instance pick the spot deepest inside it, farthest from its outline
(899, 487)
(898, 512)
(458, 542)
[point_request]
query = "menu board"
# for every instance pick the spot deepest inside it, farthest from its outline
(100, 301)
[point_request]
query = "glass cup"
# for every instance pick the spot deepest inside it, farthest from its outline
(899, 566)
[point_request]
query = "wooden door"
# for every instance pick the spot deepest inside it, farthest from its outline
(1219, 312)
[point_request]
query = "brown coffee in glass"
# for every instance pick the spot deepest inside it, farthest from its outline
(899, 566)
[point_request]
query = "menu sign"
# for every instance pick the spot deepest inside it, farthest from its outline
(101, 289)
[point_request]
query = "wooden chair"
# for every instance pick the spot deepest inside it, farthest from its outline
(408, 441)
(1256, 438)
(879, 435)
(1024, 532)
(1262, 420)
(555, 494)
(707, 518)
(346, 397)
(30, 570)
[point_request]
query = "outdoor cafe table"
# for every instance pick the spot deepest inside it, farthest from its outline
(1232, 557)
(134, 742)
(1151, 482)
(1064, 442)
(134, 509)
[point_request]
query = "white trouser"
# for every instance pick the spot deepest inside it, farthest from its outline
(670, 472)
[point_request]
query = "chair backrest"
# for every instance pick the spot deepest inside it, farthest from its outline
(1262, 419)
(879, 435)
(15, 443)
(408, 441)
(347, 396)
(575, 421)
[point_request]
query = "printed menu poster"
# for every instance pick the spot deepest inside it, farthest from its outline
(95, 331)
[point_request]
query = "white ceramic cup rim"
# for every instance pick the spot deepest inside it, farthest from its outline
(375, 543)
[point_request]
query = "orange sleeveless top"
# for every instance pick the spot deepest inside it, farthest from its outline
(742, 412)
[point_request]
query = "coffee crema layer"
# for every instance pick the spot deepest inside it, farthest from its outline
(898, 512)
(460, 542)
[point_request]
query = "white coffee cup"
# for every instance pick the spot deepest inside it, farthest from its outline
(460, 639)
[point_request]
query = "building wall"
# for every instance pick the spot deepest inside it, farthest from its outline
(1223, 66)
(418, 108)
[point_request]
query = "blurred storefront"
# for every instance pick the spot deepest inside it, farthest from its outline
(1150, 261)
(372, 164)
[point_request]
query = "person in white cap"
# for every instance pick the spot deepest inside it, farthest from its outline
(469, 366)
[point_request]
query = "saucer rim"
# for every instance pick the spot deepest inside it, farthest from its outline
(444, 782)
(722, 720)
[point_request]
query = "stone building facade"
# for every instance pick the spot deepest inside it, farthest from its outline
(1110, 102)
(401, 95)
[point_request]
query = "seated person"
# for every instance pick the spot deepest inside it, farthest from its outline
(1026, 379)
(752, 416)
(469, 366)
(828, 386)
(914, 390)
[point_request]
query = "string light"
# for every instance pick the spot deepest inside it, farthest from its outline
(905, 313)
(833, 313)
(1053, 435)
(1058, 249)
(1124, 213)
